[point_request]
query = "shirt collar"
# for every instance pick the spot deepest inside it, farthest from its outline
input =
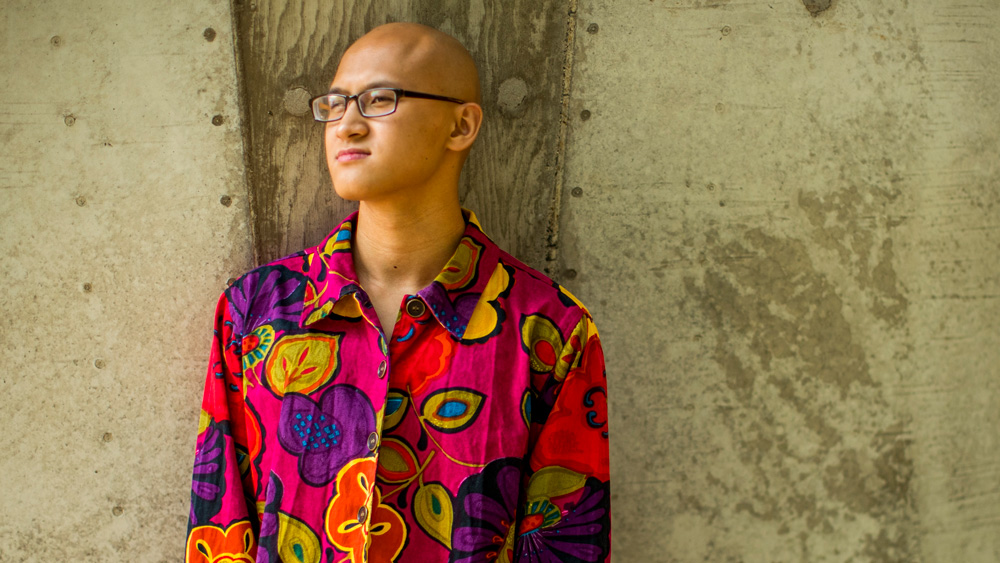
(451, 297)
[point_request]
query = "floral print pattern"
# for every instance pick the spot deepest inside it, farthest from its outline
(326, 434)
(473, 430)
(365, 535)
(208, 483)
(487, 508)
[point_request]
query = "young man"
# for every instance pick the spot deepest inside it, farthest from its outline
(404, 391)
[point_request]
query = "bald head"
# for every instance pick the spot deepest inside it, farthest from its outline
(420, 57)
(416, 153)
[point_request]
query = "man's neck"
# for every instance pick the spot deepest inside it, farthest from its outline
(399, 250)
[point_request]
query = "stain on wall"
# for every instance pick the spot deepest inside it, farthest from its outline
(791, 359)
(846, 222)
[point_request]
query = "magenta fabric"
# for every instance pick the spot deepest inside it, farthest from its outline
(475, 432)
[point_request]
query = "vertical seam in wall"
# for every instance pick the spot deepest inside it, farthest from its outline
(552, 230)
(245, 133)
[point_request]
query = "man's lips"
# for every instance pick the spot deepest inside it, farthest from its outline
(347, 155)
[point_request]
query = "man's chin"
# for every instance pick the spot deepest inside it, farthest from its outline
(360, 192)
(346, 196)
(351, 191)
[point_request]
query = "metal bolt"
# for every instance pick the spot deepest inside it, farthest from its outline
(593, 28)
(107, 437)
(56, 40)
(87, 287)
(726, 30)
(585, 115)
(209, 34)
(117, 511)
(569, 274)
(217, 120)
(99, 363)
(710, 187)
(226, 200)
(576, 192)
(69, 120)
(81, 200)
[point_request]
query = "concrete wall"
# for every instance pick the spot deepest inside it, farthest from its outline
(783, 215)
(289, 50)
(122, 214)
(786, 223)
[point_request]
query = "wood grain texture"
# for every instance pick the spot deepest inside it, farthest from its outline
(289, 50)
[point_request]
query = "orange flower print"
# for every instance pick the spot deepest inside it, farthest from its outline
(210, 544)
(424, 353)
(375, 536)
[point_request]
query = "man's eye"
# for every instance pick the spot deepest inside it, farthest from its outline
(380, 98)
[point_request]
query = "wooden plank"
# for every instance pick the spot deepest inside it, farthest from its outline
(288, 51)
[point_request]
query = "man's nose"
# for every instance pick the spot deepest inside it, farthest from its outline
(353, 123)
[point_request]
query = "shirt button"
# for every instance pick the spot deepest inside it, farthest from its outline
(415, 307)
(373, 441)
(362, 514)
(381, 369)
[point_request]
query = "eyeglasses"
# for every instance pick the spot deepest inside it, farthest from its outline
(372, 103)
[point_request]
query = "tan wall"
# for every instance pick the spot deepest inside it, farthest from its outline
(114, 244)
(783, 215)
(787, 229)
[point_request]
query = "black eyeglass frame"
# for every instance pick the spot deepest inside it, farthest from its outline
(400, 93)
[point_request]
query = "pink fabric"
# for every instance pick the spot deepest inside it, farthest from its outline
(476, 432)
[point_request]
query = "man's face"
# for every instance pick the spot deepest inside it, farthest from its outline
(371, 158)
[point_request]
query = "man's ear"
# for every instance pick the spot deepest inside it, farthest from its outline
(468, 119)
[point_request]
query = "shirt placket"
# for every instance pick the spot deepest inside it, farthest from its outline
(413, 309)
(381, 365)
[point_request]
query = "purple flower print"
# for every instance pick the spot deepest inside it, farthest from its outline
(256, 298)
(298, 541)
(570, 540)
(268, 551)
(209, 482)
(328, 434)
(485, 508)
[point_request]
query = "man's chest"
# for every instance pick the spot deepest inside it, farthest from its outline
(343, 389)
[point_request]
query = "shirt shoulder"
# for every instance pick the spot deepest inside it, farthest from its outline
(293, 263)
(272, 293)
(537, 294)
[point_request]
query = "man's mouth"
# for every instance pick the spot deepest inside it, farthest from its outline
(347, 155)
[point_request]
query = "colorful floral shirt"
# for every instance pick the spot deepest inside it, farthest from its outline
(476, 431)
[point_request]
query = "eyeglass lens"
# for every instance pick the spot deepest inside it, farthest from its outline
(372, 103)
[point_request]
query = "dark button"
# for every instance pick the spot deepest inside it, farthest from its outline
(373, 441)
(415, 307)
(381, 369)
(362, 514)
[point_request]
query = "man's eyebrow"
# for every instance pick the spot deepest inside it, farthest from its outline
(369, 86)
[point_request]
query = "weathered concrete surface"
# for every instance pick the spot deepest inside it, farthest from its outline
(785, 220)
(122, 215)
(790, 250)
(289, 50)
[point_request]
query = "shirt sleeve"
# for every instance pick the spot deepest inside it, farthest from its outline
(223, 517)
(568, 504)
